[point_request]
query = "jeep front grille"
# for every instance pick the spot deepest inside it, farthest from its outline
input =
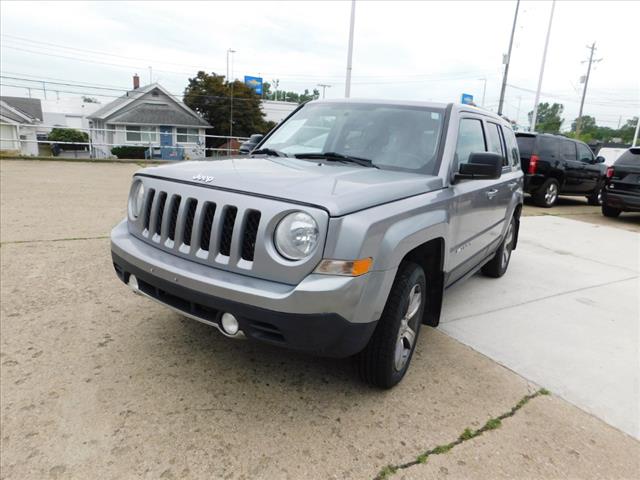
(227, 230)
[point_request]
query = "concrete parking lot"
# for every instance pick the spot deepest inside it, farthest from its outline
(97, 382)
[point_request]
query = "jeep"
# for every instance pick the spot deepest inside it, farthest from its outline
(337, 235)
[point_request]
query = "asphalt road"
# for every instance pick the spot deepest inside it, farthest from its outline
(97, 382)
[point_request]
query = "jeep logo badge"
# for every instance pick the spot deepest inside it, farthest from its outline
(203, 178)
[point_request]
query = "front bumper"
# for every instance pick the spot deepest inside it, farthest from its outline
(324, 315)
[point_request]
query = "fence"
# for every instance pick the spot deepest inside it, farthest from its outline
(88, 149)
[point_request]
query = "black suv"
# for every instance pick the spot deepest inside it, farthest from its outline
(556, 165)
(622, 192)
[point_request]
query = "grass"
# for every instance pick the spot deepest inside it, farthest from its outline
(468, 434)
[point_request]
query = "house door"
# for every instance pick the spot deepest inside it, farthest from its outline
(166, 136)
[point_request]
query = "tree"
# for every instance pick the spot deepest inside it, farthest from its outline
(70, 136)
(288, 96)
(549, 117)
(628, 130)
(210, 96)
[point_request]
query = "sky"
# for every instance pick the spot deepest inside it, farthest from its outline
(423, 51)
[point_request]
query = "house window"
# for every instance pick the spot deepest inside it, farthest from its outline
(187, 135)
(142, 134)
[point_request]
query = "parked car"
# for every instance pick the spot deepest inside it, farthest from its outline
(250, 144)
(342, 250)
(622, 190)
(611, 154)
(556, 165)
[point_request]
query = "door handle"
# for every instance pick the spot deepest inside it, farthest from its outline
(491, 193)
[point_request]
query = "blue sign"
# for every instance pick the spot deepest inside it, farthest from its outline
(467, 99)
(255, 83)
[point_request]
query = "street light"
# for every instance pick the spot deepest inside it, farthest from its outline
(230, 51)
(324, 86)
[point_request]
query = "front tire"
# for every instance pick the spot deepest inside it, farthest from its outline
(385, 359)
(610, 211)
(547, 195)
(498, 265)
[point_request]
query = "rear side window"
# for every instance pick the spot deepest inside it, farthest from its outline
(494, 140)
(525, 145)
(630, 157)
(512, 147)
(584, 153)
(568, 150)
(548, 147)
(470, 139)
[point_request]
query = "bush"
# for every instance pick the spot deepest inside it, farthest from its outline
(68, 135)
(129, 152)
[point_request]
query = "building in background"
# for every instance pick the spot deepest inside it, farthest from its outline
(70, 112)
(276, 111)
(151, 117)
(19, 122)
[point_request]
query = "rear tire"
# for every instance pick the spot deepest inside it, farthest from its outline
(386, 358)
(610, 211)
(596, 196)
(498, 265)
(547, 195)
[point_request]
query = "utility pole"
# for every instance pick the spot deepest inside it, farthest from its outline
(507, 61)
(584, 90)
(44, 89)
(347, 86)
(324, 86)
(484, 89)
(230, 51)
(635, 135)
(534, 117)
(150, 75)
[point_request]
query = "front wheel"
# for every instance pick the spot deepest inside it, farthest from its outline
(498, 265)
(385, 359)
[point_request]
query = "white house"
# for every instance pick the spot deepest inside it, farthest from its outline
(151, 117)
(276, 111)
(70, 112)
(19, 119)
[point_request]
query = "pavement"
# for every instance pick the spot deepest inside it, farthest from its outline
(97, 382)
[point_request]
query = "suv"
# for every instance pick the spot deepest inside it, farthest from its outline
(556, 165)
(622, 192)
(338, 235)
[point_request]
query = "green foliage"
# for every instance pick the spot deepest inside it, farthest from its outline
(210, 96)
(129, 152)
(492, 424)
(68, 135)
(591, 132)
(288, 96)
(549, 117)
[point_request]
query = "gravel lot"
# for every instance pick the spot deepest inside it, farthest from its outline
(97, 382)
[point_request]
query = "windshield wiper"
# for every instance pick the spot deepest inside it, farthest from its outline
(269, 151)
(337, 157)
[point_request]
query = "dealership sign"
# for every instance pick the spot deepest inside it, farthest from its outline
(255, 83)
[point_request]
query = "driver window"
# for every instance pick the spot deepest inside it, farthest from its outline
(470, 139)
(584, 153)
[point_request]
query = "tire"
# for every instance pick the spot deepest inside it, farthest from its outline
(610, 211)
(596, 196)
(547, 195)
(498, 265)
(386, 358)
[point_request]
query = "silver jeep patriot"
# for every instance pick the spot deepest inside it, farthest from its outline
(337, 235)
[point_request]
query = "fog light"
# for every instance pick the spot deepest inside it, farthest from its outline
(230, 324)
(133, 282)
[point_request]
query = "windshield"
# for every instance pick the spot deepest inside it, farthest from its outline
(393, 137)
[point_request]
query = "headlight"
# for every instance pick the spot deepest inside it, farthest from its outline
(136, 198)
(296, 236)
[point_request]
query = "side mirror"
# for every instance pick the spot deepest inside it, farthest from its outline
(481, 166)
(600, 159)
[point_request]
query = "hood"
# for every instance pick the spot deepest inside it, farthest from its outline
(337, 187)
